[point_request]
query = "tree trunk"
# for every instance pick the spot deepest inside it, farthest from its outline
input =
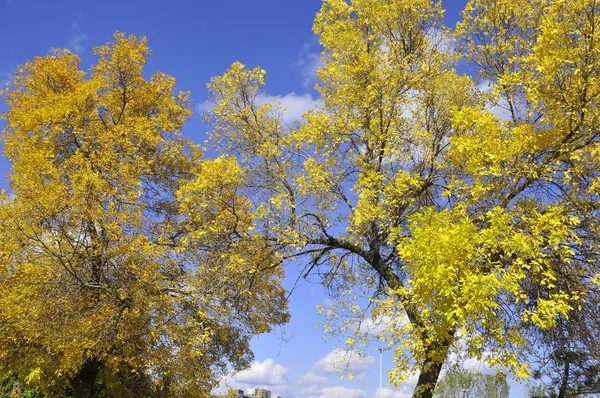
(562, 392)
(431, 368)
(84, 380)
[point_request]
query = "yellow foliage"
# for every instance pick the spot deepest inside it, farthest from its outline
(124, 254)
(451, 213)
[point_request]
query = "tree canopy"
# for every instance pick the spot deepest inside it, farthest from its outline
(127, 266)
(444, 187)
(460, 211)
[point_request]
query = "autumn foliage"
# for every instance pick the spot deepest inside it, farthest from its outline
(457, 211)
(126, 267)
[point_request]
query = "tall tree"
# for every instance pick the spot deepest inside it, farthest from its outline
(425, 199)
(463, 384)
(567, 355)
(125, 258)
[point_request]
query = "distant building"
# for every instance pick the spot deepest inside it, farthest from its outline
(259, 393)
(238, 394)
(251, 393)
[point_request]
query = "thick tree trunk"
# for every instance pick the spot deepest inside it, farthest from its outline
(427, 380)
(431, 368)
(84, 380)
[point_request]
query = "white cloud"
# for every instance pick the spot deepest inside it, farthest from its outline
(389, 392)
(501, 108)
(484, 86)
(293, 105)
(459, 358)
(311, 377)
(381, 325)
(341, 361)
(203, 107)
(314, 383)
(338, 392)
(266, 373)
(478, 365)
(308, 63)
(76, 43)
(305, 390)
(404, 390)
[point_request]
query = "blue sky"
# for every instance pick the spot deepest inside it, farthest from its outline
(192, 41)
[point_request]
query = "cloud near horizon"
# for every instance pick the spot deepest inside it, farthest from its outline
(320, 381)
(338, 392)
(266, 373)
